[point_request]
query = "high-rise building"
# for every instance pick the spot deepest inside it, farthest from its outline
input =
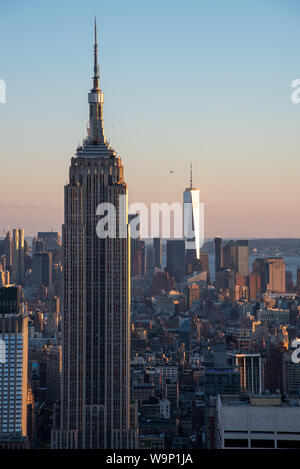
(42, 268)
(157, 252)
(230, 256)
(242, 257)
(192, 294)
(149, 254)
(54, 371)
(289, 284)
(95, 401)
(298, 282)
(251, 372)
(218, 253)
(50, 238)
(275, 274)
(8, 250)
(259, 268)
(18, 256)
(236, 256)
(191, 218)
(13, 368)
(176, 258)
(254, 285)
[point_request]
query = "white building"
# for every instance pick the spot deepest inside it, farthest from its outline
(264, 421)
(13, 366)
(191, 218)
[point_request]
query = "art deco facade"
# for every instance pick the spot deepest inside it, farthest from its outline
(95, 401)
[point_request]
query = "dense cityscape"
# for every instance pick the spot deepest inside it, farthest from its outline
(117, 342)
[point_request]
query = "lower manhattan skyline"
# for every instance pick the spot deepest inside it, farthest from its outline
(237, 122)
(150, 233)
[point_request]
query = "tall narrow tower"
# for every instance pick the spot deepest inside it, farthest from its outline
(191, 222)
(95, 401)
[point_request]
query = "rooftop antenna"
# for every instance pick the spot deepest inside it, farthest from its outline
(191, 175)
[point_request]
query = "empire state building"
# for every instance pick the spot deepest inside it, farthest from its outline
(95, 392)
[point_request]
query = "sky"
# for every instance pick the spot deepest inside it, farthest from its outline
(207, 81)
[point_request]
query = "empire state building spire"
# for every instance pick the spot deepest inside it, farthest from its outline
(96, 99)
(96, 66)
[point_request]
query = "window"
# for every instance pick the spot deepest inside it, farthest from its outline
(235, 443)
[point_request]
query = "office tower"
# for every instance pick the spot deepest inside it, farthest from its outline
(298, 282)
(38, 245)
(250, 366)
(142, 250)
(95, 401)
(42, 268)
(157, 252)
(230, 256)
(149, 260)
(8, 250)
(259, 268)
(50, 238)
(275, 274)
(13, 368)
(204, 260)
(289, 284)
(176, 258)
(192, 294)
(136, 268)
(236, 256)
(218, 253)
(18, 256)
(225, 279)
(242, 257)
(273, 369)
(254, 285)
(54, 372)
(191, 218)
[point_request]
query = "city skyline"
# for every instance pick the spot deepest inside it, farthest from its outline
(237, 91)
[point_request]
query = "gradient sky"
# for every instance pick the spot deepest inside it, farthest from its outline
(201, 80)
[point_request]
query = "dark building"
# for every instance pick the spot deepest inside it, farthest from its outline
(230, 256)
(289, 284)
(10, 300)
(42, 268)
(8, 250)
(218, 253)
(259, 268)
(221, 381)
(50, 238)
(157, 252)
(176, 258)
(298, 281)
